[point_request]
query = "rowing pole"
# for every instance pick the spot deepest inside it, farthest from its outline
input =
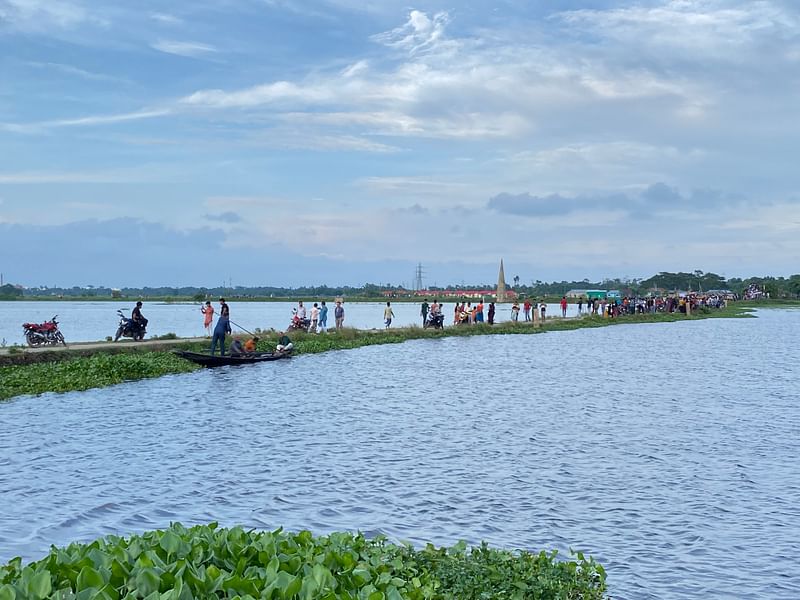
(242, 328)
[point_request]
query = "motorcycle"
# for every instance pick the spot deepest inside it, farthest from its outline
(435, 321)
(130, 328)
(47, 333)
(299, 324)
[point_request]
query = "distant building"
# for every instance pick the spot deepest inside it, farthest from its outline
(576, 294)
(467, 294)
(596, 294)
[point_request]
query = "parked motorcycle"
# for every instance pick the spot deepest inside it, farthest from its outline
(299, 324)
(130, 328)
(47, 333)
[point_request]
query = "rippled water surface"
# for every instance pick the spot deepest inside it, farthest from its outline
(669, 452)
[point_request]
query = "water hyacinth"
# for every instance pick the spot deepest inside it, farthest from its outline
(208, 562)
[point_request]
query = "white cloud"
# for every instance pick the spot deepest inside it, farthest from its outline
(165, 18)
(278, 92)
(85, 121)
(778, 218)
(122, 175)
(321, 142)
(419, 32)
(72, 70)
(468, 88)
(411, 187)
(357, 68)
(40, 15)
(188, 49)
(718, 28)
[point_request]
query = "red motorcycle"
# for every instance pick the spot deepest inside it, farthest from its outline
(47, 333)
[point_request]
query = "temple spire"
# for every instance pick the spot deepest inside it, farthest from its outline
(501, 284)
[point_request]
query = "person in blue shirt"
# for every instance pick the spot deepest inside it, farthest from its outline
(223, 327)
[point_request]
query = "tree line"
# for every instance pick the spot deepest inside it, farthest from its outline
(777, 287)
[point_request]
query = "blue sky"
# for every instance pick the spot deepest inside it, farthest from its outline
(342, 141)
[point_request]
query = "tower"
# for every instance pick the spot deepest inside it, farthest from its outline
(501, 284)
(418, 275)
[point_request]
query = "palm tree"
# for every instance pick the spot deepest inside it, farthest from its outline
(516, 280)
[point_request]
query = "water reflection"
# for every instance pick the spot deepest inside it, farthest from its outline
(667, 451)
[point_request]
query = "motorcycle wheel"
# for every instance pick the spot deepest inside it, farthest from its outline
(60, 338)
(118, 335)
(31, 338)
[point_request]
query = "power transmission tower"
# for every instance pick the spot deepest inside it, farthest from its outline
(419, 273)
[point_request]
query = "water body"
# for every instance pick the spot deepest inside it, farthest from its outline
(667, 451)
(93, 321)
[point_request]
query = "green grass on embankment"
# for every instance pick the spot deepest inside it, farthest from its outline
(208, 562)
(72, 370)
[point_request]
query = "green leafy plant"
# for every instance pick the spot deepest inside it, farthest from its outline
(207, 562)
(83, 373)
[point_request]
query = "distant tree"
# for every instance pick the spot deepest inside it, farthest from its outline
(10, 291)
(794, 285)
(371, 290)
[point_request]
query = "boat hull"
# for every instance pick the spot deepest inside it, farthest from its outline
(207, 360)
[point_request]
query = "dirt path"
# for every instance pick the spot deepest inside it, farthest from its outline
(101, 345)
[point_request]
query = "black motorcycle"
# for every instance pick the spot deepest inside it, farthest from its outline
(130, 328)
(435, 321)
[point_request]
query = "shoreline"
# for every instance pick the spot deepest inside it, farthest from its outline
(34, 372)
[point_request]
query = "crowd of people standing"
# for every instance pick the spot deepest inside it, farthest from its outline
(467, 313)
(317, 321)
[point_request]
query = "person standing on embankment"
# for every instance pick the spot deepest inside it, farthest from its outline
(208, 316)
(338, 314)
(388, 315)
(323, 318)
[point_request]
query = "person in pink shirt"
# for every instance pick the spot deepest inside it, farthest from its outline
(563, 306)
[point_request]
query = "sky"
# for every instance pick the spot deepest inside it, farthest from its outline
(339, 142)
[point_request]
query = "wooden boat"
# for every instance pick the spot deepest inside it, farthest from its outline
(208, 360)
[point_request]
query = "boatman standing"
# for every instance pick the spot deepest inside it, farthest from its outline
(223, 327)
